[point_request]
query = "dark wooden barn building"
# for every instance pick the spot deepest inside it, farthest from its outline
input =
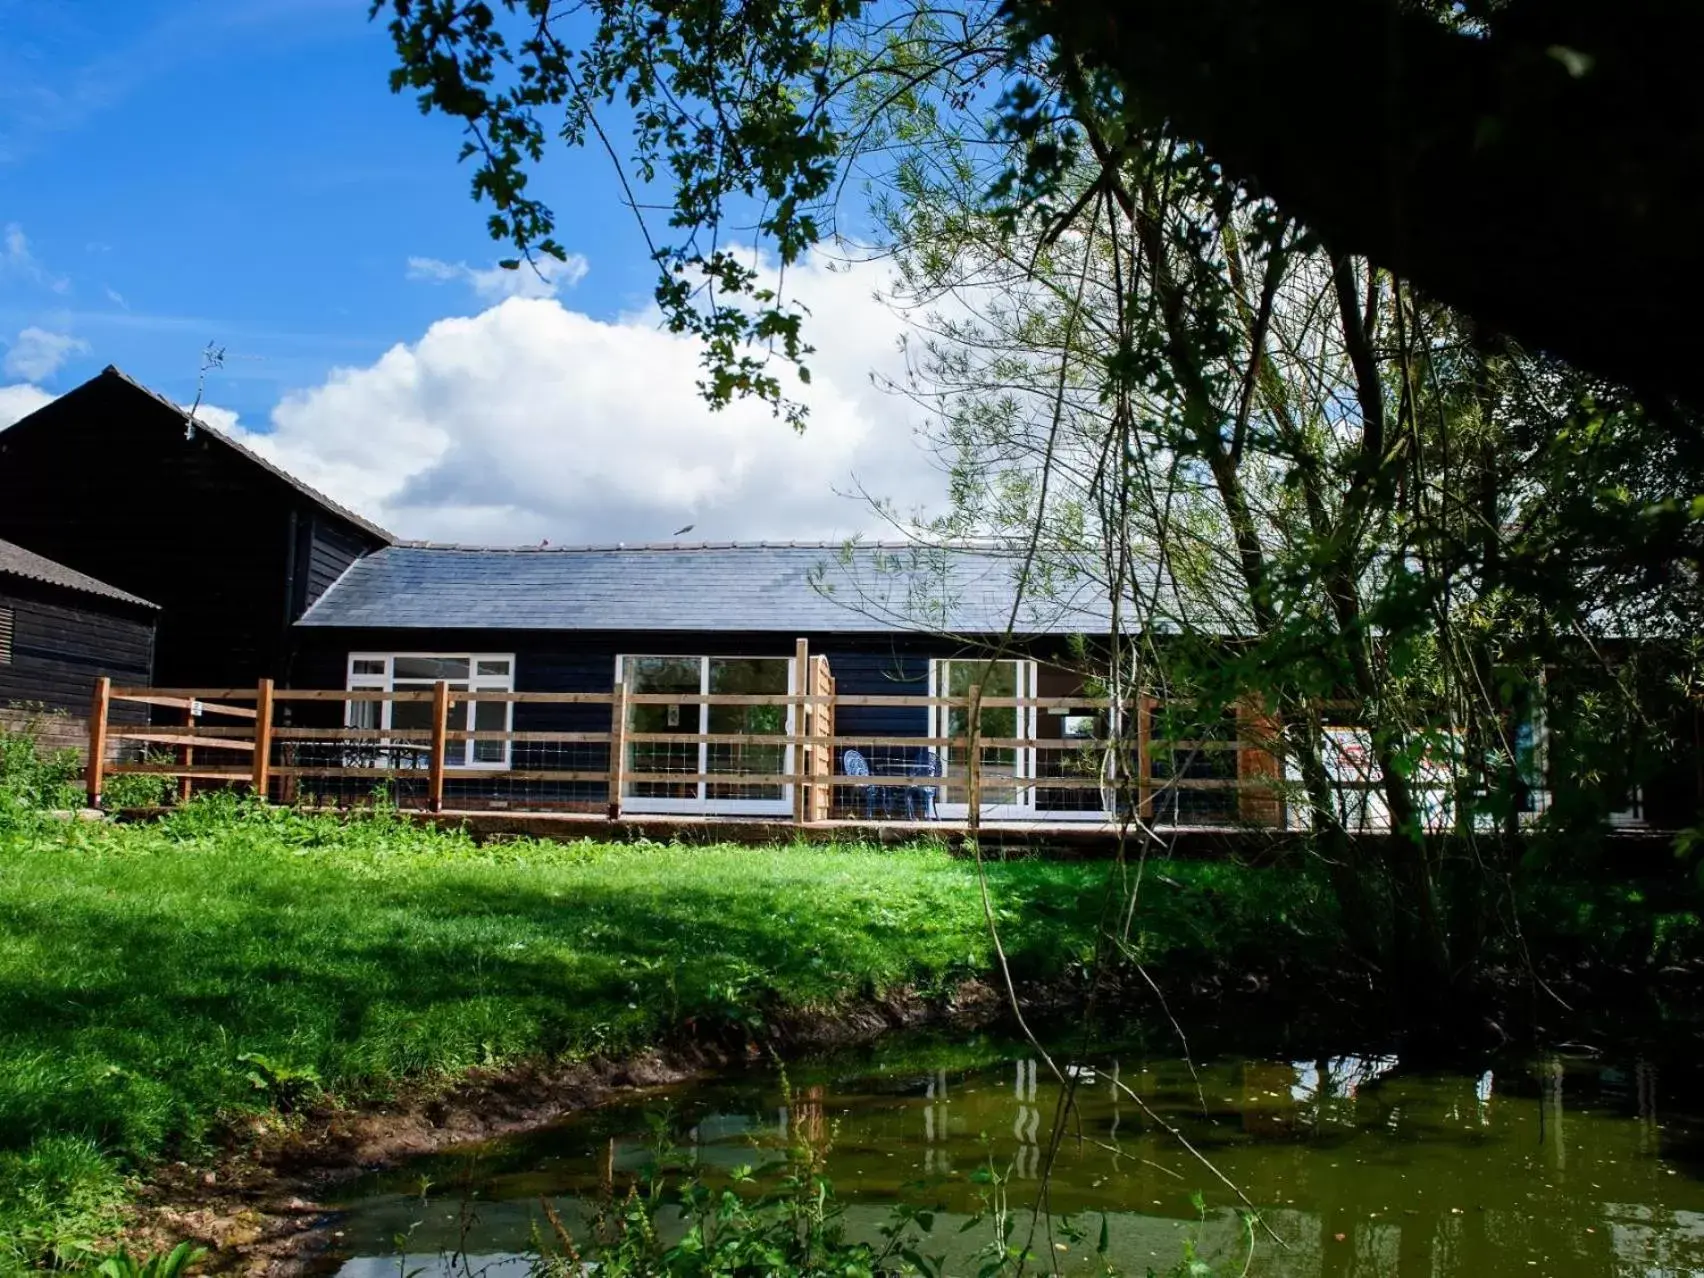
(60, 630)
(116, 482)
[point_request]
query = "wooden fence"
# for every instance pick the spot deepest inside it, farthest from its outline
(234, 737)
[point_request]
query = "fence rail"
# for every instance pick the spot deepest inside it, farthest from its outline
(807, 769)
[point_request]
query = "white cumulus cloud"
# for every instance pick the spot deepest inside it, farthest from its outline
(531, 421)
(544, 278)
(20, 401)
(36, 353)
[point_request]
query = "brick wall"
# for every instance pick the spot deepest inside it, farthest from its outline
(52, 731)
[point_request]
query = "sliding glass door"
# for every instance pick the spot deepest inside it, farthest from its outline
(1010, 730)
(683, 736)
(653, 752)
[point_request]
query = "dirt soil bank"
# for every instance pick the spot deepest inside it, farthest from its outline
(256, 1203)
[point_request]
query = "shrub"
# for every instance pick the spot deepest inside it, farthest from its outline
(32, 780)
(138, 789)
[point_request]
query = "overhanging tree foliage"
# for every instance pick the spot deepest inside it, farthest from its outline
(1381, 498)
(1530, 162)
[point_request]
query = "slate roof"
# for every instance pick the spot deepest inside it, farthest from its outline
(15, 561)
(729, 586)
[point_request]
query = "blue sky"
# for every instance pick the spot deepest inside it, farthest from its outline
(238, 171)
(180, 172)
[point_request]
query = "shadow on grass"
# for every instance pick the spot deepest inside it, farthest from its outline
(132, 986)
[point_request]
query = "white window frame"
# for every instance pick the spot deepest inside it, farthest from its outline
(476, 682)
(1023, 765)
(703, 805)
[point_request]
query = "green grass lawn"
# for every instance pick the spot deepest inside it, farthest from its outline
(149, 974)
(156, 978)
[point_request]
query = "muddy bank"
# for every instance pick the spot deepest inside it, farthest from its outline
(256, 1203)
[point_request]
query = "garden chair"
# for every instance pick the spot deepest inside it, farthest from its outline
(857, 766)
(920, 799)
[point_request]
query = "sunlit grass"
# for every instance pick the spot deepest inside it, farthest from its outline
(157, 978)
(154, 978)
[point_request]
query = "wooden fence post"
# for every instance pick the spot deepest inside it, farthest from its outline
(440, 727)
(823, 764)
(186, 786)
(1259, 770)
(617, 748)
(801, 719)
(973, 761)
(97, 739)
(262, 739)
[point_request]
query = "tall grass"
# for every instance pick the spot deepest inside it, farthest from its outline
(34, 780)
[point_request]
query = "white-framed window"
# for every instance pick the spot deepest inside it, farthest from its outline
(418, 672)
(654, 724)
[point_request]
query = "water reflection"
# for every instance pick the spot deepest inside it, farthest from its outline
(1361, 1166)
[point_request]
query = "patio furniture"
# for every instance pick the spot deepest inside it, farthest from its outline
(920, 799)
(857, 766)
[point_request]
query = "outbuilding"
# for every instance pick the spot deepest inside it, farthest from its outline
(60, 630)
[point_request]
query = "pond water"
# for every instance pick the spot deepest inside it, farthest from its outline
(1555, 1165)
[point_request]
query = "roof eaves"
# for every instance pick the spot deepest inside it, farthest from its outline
(667, 546)
(16, 561)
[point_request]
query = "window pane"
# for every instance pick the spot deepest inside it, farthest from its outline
(1072, 743)
(363, 714)
(661, 674)
(367, 666)
(678, 675)
(431, 668)
(1181, 722)
(490, 716)
(491, 669)
(747, 675)
(411, 715)
(998, 679)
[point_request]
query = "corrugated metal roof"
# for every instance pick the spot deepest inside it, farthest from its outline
(751, 586)
(15, 561)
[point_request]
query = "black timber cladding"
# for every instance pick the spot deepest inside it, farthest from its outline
(63, 638)
(116, 482)
(18, 563)
(332, 547)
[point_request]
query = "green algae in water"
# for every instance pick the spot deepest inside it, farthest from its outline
(1555, 1166)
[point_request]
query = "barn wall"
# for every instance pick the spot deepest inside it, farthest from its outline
(62, 641)
(108, 481)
